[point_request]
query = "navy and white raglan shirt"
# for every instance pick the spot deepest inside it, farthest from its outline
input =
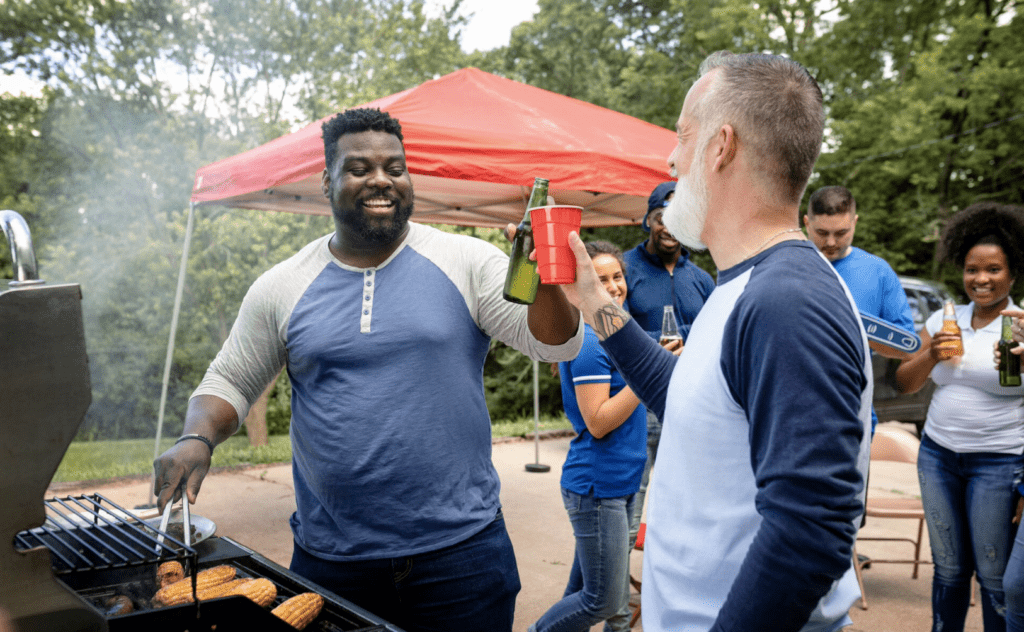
(759, 484)
(391, 439)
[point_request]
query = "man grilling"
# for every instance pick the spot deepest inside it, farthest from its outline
(383, 327)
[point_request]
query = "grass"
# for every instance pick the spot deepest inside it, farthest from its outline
(100, 460)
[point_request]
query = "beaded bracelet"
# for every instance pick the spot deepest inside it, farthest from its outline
(208, 443)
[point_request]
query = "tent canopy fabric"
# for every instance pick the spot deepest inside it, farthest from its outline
(474, 142)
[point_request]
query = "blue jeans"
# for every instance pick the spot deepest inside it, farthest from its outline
(598, 585)
(968, 501)
(1013, 585)
(468, 587)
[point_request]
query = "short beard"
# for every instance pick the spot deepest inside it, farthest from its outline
(379, 231)
(687, 212)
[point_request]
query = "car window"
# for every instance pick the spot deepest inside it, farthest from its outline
(934, 301)
(918, 307)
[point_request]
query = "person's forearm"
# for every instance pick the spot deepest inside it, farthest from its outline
(644, 364)
(211, 417)
(612, 413)
(551, 318)
(913, 373)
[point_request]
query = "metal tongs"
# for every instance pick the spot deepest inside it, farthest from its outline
(186, 521)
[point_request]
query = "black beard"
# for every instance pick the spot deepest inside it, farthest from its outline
(381, 232)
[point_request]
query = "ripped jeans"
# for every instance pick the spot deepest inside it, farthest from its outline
(968, 501)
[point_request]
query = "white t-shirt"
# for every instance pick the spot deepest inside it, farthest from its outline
(970, 411)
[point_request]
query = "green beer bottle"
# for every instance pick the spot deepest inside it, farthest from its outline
(1009, 363)
(522, 279)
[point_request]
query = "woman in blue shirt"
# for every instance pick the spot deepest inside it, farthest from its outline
(601, 474)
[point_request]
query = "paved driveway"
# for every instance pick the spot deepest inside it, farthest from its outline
(252, 506)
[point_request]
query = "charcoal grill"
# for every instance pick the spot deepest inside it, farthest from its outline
(63, 559)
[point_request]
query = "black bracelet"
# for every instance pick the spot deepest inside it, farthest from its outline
(208, 443)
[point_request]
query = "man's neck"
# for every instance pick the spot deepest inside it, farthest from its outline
(668, 259)
(733, 239)
(359, 253)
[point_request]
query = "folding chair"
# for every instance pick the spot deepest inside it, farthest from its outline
(896, 445)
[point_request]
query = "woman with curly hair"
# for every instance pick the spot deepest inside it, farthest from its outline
(972, 443)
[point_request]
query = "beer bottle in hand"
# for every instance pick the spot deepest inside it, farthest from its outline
(952, 348)
(669, 328)
(522, 279)
(1009, 363)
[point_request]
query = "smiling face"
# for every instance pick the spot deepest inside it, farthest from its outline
(832, 234)
(661, 242)
(612, 278)
(987, 278)
(369, 187)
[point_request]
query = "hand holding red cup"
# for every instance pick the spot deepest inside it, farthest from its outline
(551, 225)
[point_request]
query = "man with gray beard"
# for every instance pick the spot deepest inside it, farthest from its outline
(759, 484)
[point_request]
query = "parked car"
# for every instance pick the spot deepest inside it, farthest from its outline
(925, 297)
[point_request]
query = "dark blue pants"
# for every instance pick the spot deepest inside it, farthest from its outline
(467, 587)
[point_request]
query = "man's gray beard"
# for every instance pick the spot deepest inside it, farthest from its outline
(688, 209)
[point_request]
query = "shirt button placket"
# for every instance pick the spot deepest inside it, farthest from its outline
(366, 314)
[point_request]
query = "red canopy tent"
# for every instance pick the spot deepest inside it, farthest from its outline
(474, 142)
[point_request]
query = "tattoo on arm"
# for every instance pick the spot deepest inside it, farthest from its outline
(609, 319)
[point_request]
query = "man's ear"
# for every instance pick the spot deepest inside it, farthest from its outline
(325, 183)
(725, 147)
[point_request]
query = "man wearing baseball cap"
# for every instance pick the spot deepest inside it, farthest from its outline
(659, 273)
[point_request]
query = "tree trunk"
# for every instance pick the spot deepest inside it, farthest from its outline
(256, 420)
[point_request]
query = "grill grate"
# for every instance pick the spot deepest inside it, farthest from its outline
(92, 532)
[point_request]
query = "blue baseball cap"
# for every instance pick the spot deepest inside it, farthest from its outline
(657, 200)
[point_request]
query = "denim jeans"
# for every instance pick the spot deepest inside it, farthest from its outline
(598, 585)
(968, 502)
(467, 587)
(1013, 585)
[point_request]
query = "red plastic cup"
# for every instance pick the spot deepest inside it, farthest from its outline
(551, 226)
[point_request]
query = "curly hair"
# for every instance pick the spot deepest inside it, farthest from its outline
(354, 121)
(985, 223)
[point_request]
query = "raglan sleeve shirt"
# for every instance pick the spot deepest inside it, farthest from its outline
(793, 359)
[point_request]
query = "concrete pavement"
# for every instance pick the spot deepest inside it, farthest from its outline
(252, 506)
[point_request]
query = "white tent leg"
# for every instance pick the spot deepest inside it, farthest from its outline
(536, 466)
(174, 329)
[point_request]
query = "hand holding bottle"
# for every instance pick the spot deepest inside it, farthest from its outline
(947, 342)
(1017, 328)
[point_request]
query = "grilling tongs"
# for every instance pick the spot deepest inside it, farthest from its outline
(186, 521)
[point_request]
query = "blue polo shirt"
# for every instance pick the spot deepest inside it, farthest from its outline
(651, 287)
(609, 467)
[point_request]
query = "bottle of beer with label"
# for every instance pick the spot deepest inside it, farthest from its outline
(953, 348)
(1009, 363)
(522, 279)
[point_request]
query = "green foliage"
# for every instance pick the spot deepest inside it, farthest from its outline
(508, 384)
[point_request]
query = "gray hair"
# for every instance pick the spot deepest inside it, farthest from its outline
(775, 108)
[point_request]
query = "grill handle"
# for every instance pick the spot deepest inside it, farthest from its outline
(20, 240)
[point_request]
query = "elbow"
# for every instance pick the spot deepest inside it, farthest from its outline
(595, 429)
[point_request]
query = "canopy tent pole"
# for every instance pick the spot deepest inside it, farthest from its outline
(174, 329)
(536, 466)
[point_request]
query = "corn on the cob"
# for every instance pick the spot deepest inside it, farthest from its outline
(181, 591)
(169, 572)
(262, 591)
(300, 610)
(218, 590)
